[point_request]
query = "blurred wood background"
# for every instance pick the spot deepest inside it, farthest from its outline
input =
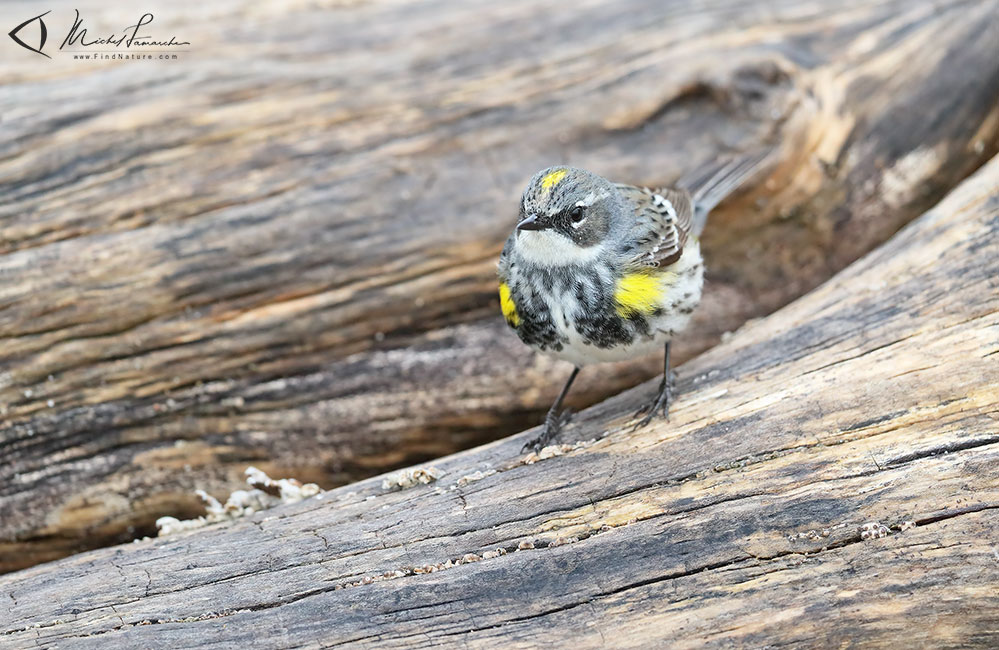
(827, 479)
(280, 250)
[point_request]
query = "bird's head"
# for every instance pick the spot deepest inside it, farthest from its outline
(565, 216)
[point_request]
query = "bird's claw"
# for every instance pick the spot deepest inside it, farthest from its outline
(553, 426)
(661, 403)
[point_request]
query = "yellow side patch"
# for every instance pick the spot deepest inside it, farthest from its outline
(552, 179)
(507, 306)
(639, 293)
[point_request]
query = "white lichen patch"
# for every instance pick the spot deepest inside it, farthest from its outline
(468, 558)
(528, 544)
(811, 535)
(265, 493)
(551, 451)
(873, 530)
(474, 476)
(407, 478)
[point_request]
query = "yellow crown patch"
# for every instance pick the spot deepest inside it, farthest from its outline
(552, 179)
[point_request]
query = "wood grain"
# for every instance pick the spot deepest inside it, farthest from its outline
(872, 403)
(280, 250)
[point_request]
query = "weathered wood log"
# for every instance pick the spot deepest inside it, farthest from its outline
(291, 264)
(829, 478)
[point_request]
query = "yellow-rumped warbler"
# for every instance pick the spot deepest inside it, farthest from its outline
(599, 271)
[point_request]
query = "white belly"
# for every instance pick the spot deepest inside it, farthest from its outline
(580, 354)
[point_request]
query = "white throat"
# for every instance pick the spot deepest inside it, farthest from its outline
(547, 248)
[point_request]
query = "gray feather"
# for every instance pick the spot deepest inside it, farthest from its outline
(710, 184)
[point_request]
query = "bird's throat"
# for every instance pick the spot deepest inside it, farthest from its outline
(549, 248)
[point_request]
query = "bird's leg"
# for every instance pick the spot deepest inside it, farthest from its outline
(662, 400)
(555, 420)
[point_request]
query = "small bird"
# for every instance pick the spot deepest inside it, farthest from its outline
(597, 271)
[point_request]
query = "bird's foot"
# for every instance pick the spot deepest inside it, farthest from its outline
(553, 426)
(661, 403)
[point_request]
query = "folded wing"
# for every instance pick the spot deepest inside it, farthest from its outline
(663, 222)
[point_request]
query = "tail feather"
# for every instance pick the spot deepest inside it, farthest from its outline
(711, 183)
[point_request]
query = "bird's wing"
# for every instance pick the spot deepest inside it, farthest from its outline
(663, 221)
(503, 267)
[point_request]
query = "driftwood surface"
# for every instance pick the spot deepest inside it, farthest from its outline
(870, 404)
(280, 250)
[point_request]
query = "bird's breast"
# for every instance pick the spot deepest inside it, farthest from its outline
(593, 313)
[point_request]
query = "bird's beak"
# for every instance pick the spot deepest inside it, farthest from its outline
(530, 223)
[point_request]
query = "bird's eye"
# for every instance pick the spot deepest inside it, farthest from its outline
(577, 214)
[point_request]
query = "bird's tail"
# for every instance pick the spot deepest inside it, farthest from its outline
(711, 183)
